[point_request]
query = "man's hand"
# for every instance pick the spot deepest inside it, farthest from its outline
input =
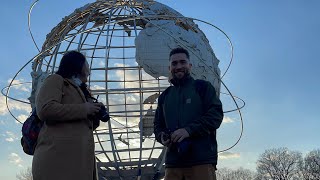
(165, 141)
(179, 135)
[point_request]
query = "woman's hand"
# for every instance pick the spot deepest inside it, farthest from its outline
(92, 108)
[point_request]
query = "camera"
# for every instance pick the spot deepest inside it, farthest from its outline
(167, 135)
(183, 148)
(102, 115)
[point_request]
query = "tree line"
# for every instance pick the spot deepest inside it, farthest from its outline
(278, 164)
(273, 164)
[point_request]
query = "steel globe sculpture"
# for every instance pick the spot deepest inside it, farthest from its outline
(127, 45)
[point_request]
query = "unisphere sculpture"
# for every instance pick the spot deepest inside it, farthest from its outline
(127, 44)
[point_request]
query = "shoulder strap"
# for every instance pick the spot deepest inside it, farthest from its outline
(201, 86)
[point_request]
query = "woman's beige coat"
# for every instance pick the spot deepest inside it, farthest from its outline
(65, 149)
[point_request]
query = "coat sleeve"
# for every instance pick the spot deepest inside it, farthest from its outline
(159, 122)
(212, 116)
(49, 106)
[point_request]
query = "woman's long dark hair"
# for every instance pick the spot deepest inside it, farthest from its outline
(71, 64)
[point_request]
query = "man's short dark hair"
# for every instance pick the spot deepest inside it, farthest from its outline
(179, 50)
(71, 64)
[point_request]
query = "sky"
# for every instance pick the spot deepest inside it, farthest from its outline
(274, 70)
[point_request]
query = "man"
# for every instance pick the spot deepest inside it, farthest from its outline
(186, 121)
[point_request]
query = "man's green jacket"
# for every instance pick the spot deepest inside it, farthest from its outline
(200, 113)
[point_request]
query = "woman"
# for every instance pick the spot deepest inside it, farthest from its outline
(65, 148)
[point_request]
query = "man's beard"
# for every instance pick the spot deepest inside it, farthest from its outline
(185, 72)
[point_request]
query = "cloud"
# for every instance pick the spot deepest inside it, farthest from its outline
(133, 82)
(10, 136)
(134, 76)
(96, 87)
(20, 106)
(9, 139)
(21, 85)
(22, 117)
(13, 105)
(15, 159)
(227, 120)
(117, 102)
(3, 107)
(132, 143)
(229, 155)
(102, 64)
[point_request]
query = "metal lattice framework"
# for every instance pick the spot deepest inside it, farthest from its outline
(105, 31)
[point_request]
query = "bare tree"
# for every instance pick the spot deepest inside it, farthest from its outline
(243, 174)
(311, 166)
(25, 174)
(239, 174)
(223, 174)
(279, 164)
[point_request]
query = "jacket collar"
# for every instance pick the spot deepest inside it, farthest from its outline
(71, 82)
(181, 82)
